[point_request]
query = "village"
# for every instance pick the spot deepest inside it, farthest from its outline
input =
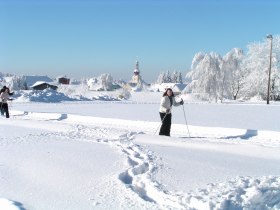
(104, 82)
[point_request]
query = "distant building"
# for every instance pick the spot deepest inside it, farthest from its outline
(177, 88)
(63, 80)
(136, 82)
(31, 80)
(136, 78)
(41, 85)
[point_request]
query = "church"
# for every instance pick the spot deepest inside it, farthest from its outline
(136, 82)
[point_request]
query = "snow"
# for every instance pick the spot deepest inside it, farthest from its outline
(104, 154)
(42, 82)
(31, 80)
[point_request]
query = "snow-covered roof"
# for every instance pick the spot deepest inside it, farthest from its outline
(176, 87)
(31, 80)
(37, 83)
(43, 82)
(179, 87)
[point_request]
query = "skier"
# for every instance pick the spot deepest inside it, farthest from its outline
(167, 101)
(4, 96)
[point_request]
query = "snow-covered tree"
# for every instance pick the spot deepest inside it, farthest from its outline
(232, 74)
(18, 83)
(123, 94)
(179, 77)
(106, 81)
(275, 86)
(237, 75)
(205, 75)
(166, 77)
(13, 82)
(174, 77)
(275, 69)
(103, 82)
(161, 78)
(256, 65)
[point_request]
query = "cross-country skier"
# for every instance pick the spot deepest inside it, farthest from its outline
(167, 101)
(4, 96)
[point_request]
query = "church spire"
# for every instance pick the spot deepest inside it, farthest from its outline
(137, 65)
(136, 70)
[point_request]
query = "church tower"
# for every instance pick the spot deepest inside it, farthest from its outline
(136, 70)
(136, 78)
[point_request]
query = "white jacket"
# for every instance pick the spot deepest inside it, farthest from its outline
(165, 104)
(4, 97)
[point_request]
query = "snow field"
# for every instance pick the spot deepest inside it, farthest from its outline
(214, 168)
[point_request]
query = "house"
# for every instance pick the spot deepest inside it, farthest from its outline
(31, 80)
(63, 80)
(177, 88)
(42, 85)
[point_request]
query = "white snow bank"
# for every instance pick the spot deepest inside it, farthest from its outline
(6, 204)
(241, 193)
(105, 98)
(198, 133)
(47, 95)
(53, 96)
(184, 165)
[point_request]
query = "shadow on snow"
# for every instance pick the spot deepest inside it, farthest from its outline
(249, 134)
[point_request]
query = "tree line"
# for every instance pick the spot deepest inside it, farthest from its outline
(237, 75)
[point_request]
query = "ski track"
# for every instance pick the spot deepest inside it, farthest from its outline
(139, 177)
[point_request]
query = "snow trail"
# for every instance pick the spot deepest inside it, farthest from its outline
(143, 164)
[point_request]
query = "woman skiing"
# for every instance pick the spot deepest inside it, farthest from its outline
(4, 96)
(167, 101)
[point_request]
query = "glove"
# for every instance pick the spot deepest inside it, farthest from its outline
(181, 102)
(167, 111)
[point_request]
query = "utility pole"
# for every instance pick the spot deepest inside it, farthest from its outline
(269, 70)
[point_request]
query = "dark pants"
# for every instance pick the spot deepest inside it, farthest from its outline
(166, 124)
(4, 108)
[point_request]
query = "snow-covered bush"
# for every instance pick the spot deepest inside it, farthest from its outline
(123, 94)
(103, 83)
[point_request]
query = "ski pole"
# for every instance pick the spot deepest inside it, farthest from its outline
(186, 121)
(1, 107)
(160, 123)
(10, 106)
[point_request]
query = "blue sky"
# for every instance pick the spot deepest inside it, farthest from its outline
(82, 38)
